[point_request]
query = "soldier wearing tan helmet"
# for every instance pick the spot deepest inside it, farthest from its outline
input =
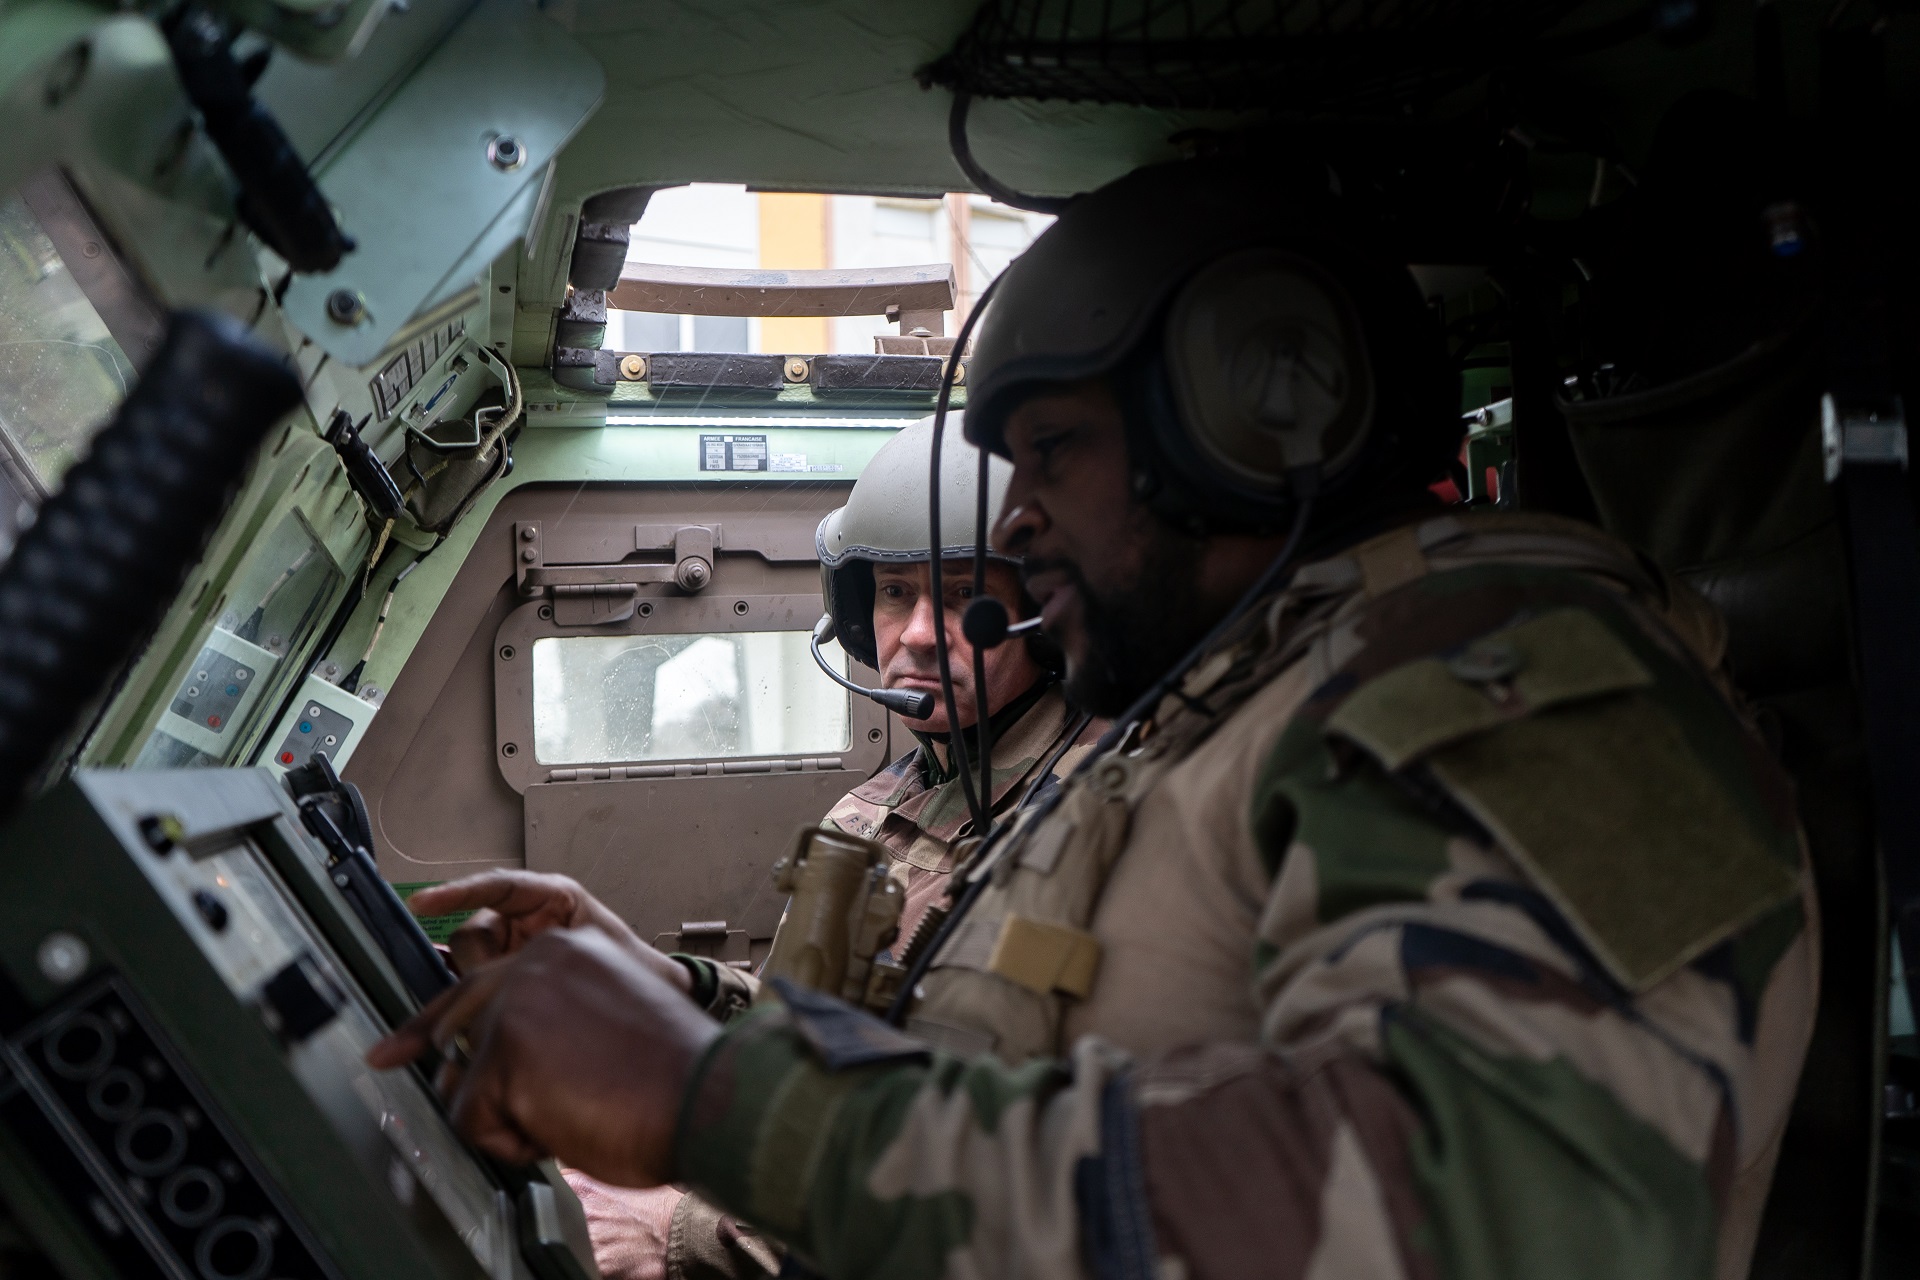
(1434, 911)
(875, 582)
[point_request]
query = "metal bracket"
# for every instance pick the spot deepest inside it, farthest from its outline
(913, 297)
(591, 594)
(1862, 435)
(463, 142)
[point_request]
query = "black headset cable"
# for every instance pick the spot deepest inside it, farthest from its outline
(1305, 483)
(962, 149)
(982, 705)
(937, 581)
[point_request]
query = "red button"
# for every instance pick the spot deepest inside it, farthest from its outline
(286, 757)
(214, 721)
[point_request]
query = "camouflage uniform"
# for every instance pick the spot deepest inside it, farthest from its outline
(917, 810)
(1450, 920)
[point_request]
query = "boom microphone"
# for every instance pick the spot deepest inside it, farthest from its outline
(986, 625)
(914, 706)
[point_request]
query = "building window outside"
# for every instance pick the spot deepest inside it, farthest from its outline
(712, 225)
(616, 699)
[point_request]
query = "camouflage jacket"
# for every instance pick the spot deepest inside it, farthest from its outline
(1449, 921)
(918, 810)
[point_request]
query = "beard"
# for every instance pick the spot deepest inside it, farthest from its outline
(1136, 632)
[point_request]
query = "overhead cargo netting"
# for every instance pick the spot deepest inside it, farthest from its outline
(1229, 54)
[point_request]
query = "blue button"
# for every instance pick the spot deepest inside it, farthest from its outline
(306, 726)
(233, 691)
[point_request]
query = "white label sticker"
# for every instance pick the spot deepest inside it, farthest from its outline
(733, 453)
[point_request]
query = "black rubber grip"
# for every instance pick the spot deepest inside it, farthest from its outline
(90, 578)
(278, 198)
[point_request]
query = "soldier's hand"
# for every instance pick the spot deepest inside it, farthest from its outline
(512, 907)
(571, 1048)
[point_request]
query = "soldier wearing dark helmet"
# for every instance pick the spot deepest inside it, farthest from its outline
(1432, 910)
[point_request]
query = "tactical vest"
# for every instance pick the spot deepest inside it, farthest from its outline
(919, 823)
(1009, 973)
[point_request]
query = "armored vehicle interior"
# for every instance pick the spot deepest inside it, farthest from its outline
(546, 597)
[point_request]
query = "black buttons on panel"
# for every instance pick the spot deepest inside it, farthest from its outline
(159, 1172)
(300, 999)
(211, 909)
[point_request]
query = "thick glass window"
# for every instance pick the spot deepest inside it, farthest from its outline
(61, 373)
(608, 699)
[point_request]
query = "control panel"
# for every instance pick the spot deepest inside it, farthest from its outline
(220, 689)
(327, 719)
(186, 999)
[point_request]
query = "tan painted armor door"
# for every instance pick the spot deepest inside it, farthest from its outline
(632, 664)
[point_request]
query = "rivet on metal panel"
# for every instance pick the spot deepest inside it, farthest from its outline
(344, 306)
(633, 368)
(528, 534)
(509, 749)
(506, 653)
(505, 153)
(740, 607)
(797, 368)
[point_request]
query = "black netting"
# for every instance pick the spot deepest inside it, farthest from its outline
(1309, 54)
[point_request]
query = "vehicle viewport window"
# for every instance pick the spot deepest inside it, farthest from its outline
(61, 373)
(610, 699)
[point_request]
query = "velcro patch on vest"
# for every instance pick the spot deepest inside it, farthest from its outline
(1560, 657)
(1618, 820)
(1552, 736)
(1045, 958)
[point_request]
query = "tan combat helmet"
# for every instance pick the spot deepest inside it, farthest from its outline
(885, 520)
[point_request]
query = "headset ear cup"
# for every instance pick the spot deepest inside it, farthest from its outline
(1268, 364)
(849, 590)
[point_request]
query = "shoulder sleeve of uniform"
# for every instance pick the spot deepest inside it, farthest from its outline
(1610, 771)
(868, 1162)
